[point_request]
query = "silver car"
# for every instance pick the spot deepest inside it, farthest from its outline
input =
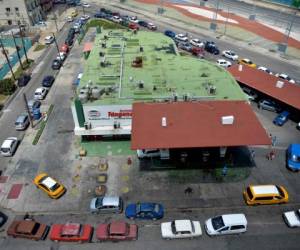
(106, 204)
(22, 122)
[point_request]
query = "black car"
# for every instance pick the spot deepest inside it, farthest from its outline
(69, 41)
(23, 80)
(212, 48)
(48, 81)
(3, 219)
(56, 64)
(143, 23)
(71, 36)
(71, 31)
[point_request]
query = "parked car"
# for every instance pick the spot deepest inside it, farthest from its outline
(226, 224)
(293, 157)
(100, 15)
(3, 219)
(133, 26)
(23, 80)
(64, 48)
(133, 19)
(69, 41)
(247, 62)
(230, 55)
(56, 64)
(86, 5)
(117, 231)
(117, 19)
(268, 105)
(285, 77)
(28, 229)
(71, 232)
(265, 195)
(170, 33)
(251, 93)
(282, 118)
(61, 56)
(22, 122)
(197, 51)
(181, 38)
(85, 18)
(146, 210)
(292, 218)
(40, 93)
(48, 81)
(49, 185)
(49, 40)
(262, 68)
(180, 229)
(197, 43)
(151, 26)
(223, 63)
(211, 47)
(185, 46)
(106, 204)
(142, 23)
(9, 146)
(33, 104)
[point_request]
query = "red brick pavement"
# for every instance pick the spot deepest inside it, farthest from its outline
(252, 26)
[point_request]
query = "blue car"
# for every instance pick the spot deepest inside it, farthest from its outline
(149, 211)
(293, 157)
(170, 33)
(282, 118)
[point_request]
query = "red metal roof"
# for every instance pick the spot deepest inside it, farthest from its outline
(87, 47)
(266, 83)
(195, 124)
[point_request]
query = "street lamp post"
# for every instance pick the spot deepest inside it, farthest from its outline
(213, 24)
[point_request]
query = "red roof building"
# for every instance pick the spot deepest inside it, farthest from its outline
(267, 84)
(195, 124)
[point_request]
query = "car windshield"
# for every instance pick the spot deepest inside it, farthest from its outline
(280, 191)
(217, 222)
(98, 202)
(173, 227)
(156, 208)
(297, 214)
(35, 228)
(295, 158)
(249, 193)
(5, 150)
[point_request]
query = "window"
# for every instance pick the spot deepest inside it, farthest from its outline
(224, 229)
(7, 9)
(237, 227)
(249, 193)
(16, 9)
(264, 198)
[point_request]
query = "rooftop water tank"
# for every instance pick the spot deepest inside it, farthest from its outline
(96, 92)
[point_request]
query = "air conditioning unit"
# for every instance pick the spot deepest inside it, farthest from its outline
(87, 125)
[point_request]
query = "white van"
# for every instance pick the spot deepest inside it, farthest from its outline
(9, 146)
(226, 224)
(164, 154)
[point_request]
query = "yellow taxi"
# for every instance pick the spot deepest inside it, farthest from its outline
(74, 13)
(49, 185)
(265, 195)
(247, 62)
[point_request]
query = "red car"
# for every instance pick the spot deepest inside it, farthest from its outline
(117, 231)
(133, 26)
(64, 48)
(199, 52)
(71, 232)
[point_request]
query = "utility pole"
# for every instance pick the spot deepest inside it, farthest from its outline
(27, 109)
(17, 48)
(57, 47)
(225, 28)
(7, 59)
(55, 18)
(21, 34)
(213, 24)
(83, 9)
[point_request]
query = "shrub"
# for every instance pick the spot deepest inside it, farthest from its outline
(7, 86)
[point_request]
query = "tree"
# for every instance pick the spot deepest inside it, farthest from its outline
(296, 4)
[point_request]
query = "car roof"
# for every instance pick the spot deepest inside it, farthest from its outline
(117, 227)
(147, 206)
(183, 225)
(71, 229)
(285, 113)
(111, 201)
(21, 117)
(295, 148)
(40, 89)
(7, 143)
(49, 182)
(234, 219)
(265, 189)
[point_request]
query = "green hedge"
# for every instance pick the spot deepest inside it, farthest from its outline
(7, 86)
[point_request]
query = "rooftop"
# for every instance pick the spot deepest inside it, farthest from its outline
(286, 92)
(195, 124)
(146, 66)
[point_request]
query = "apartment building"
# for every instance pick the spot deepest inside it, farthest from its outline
(27, 12)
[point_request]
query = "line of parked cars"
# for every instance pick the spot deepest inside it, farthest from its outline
(121, 230)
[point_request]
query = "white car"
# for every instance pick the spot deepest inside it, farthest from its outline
(40, 93)
(230, 55)
(285, 77)
(223, 63)
(9, 146)
(116, 19)
(86, 5)
(226, 224)
(85, 17)
(197, 43)
(180, 229)
(265, 70)
(70, 19)
(292, 218)
(133, 19)
(49, 39)
(181, 38)
(151, 26)
(61, 56)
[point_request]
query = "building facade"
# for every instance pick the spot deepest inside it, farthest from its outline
(26, 12)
